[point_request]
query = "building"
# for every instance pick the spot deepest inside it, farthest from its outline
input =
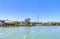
(9, 22)
(2, 22)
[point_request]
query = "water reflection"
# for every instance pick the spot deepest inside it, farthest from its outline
(28, 36)
(36, 32)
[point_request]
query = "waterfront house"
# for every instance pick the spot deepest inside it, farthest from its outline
(9, 22)
(2, 22)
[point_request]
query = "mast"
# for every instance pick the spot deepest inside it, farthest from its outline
(38, 17)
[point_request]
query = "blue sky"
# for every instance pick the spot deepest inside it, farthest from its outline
(49, 10)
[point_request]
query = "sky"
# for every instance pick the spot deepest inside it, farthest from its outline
(48, 10)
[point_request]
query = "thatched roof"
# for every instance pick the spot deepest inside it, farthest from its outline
(9, 21)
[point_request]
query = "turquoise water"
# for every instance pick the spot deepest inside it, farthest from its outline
(34, 32)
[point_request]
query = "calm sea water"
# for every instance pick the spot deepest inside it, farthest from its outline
(34, 32)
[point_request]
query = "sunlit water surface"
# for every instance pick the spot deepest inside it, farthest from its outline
(34, 32)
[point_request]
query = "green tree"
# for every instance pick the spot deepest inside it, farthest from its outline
(16, 22)
(34, 23)
(45, 24)
(53, 23)
(0, 24)
(27, 21)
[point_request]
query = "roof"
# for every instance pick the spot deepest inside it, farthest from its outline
(9, 21)
(2, 21)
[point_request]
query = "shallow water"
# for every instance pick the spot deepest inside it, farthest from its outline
(34, 32)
